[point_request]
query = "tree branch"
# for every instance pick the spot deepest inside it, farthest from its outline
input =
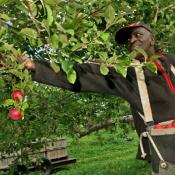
(104, 125)
(157, 12)
(31, 15)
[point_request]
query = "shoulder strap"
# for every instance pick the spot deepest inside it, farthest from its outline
(143, 94)
(173, 69)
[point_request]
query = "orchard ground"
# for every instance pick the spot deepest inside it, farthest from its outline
(104, 153)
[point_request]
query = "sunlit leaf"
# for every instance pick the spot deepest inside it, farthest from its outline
(55, 41)
(140, 50)
(151, 66)
(104, 69)
(52, 2)
(29, 33)
(49, 15)
(55, 67)
(67, 66)
(72, 76)
(104, 36)
(109, 14)
(154, 57)
(121, 69)
(8, 102)
(77, 46)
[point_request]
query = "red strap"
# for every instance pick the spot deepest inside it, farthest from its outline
(165, 75)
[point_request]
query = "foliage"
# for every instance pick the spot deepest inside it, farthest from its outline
(65, 32)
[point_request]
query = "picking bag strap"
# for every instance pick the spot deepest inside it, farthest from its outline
(143, 94)
(173, 69)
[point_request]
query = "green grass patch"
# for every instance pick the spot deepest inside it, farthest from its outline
(105, 154)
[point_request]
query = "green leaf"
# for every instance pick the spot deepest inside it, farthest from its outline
(33, 8)
(2, 2)
(52, 2)
(25, 106)
(55, 40)
(78, 60)
(109, 14)
(59, 27)
(133, 54)
(55, 67)
(103, 55)
(63, 39)
(72, 76)
(104, 69)
(121, 69)
(5, 17)
(121, 21)
(113, 59)
(8, 102)
(23, 9)
(50, 18)
(76, 47)
(140, 50)
(17, 73)
(151, 66)
(2, 83)
(67, 66)
(154, 57)
(104, 36)
(70, 31)
(29, 33)
(8, 47)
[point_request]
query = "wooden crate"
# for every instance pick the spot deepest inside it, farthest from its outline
(56, 153)
(5, 162)
(34, 156)
(55, 144)
(53, 149)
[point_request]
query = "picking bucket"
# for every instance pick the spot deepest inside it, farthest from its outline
(162, 146)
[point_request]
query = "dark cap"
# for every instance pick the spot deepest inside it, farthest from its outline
(123, 33)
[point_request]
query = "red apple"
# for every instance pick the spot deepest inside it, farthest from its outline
(15, 114)
(17, 94)
(169, 125)
(173, 123)
(158, 126)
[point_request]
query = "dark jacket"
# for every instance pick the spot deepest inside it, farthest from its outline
(89, 79)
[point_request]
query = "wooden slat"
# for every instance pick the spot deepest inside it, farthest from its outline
(56, 154)
(56, 144)
(164, 131)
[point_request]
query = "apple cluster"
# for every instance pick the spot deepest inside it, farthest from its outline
(163, 126)
(14, 113)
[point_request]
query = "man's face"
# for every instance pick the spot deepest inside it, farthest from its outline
(140, 38)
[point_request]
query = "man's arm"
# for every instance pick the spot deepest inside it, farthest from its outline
(89, 79)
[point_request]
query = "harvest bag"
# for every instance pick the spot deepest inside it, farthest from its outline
(162, 141)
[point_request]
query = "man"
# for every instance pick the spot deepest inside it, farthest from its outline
(160, 87)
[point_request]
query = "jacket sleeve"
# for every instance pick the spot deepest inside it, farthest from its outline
(89, 79)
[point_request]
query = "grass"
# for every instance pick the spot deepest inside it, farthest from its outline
(105, 154)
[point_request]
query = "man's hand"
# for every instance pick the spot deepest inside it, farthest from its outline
(29, 64)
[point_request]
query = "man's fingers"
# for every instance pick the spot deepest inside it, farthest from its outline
(29, 64)
(21, 57)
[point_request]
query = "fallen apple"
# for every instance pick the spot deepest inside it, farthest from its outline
(17, 94)
(15, 114)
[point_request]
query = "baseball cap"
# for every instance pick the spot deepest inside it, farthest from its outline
(123, 33)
